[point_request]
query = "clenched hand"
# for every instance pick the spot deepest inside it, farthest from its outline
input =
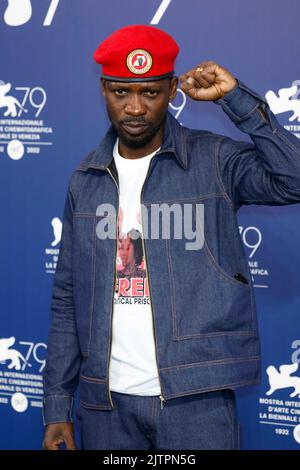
(207, 81)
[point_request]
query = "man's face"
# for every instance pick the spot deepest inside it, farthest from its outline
(138, 110)
(127, 252)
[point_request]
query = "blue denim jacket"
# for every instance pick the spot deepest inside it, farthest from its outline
(203, 306)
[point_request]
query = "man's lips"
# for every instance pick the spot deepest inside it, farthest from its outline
(134, 127)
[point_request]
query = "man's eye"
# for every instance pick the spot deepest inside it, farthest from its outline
(120, 92)
(151, 93)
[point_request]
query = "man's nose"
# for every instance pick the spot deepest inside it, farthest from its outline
(135, 106)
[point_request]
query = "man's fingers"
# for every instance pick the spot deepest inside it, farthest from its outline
(182, 77)
(207, 81)
(209, 67)
(188, 83)
(207, 76)
(70, 443)
(202, 81)
(52, 445)
(199, 79)
(191, 90)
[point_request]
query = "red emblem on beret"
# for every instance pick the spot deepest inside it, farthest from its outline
(139, 61)
(137, 53)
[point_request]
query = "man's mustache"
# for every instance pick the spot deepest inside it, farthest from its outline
(137, 120)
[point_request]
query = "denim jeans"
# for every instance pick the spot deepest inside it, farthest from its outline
(195, 422)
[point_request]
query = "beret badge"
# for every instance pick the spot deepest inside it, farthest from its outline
(139, 61)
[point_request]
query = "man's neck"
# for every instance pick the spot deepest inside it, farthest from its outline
(132, 153)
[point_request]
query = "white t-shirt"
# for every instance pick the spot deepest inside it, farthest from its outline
(133, 367)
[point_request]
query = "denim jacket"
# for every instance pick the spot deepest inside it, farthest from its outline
(203, 305)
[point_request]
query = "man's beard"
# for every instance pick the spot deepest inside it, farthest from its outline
(137, 141)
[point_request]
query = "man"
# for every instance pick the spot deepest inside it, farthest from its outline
(157, 357)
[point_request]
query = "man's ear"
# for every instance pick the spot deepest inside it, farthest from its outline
(103, 82)
(173, 88)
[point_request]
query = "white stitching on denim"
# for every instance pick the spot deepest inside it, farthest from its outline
(98, 407)
(93, 379)
(172, 291)
(57, 396)
(221, 271)
(216, 156)
(240, 119)
(211, 389)
(282, 137)
(185, 199)
(216, 334)
(93, 281)
(218, 270)
(212, 363)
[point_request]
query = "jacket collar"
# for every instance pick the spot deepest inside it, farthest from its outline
(174, 143)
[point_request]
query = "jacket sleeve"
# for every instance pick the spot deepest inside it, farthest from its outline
(266, 171)
(60, 378)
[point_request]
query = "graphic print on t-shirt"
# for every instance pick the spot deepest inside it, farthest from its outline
(131, 280)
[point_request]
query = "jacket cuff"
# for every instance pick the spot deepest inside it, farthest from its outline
(57, 409)
(240, 102)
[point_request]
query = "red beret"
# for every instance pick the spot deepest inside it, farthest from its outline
(137, 53)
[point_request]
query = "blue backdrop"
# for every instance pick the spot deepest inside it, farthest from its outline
(52, 114)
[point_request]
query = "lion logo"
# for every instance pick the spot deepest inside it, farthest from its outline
(12, 355)
(9, 102)
(283, 379)
(285, 101)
